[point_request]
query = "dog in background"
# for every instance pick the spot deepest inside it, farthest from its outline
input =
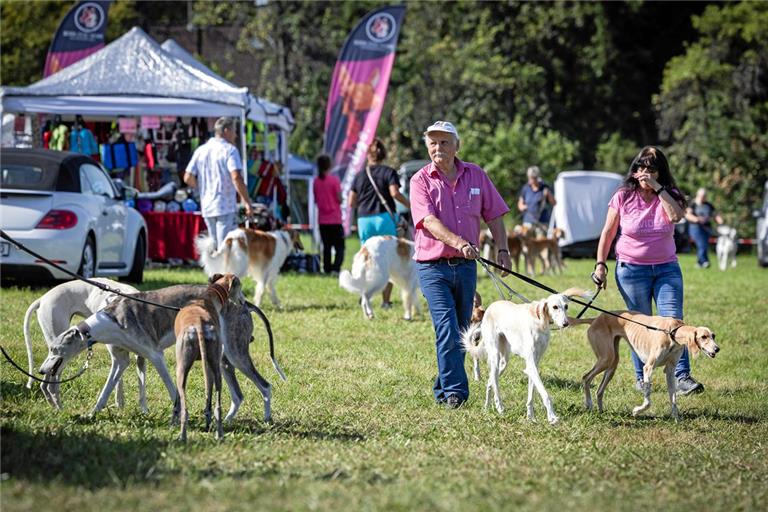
(199, 336)
(259, 254)
(656, 348)
(727, 243)
(520, 329)
(487, 246)
(55, 310)
(542, 249)
(382, 259)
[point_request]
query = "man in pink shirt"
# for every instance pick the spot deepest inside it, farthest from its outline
(448, 199)
(327, 192)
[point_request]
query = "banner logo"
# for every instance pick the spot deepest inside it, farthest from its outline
(381, 27)
(89, 17)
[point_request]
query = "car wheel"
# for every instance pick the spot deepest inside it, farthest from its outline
(88, 259)
(136, 276)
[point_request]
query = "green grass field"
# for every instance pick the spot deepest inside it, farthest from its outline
(356, 427)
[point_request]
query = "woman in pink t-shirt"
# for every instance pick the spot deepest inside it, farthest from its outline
(646, 209)
(327, 191)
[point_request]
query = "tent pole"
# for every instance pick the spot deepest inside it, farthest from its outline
(244, 150)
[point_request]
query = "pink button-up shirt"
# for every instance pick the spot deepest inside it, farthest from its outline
(459, 207)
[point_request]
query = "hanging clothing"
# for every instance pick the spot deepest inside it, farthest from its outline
(59, 138)
(83, 141)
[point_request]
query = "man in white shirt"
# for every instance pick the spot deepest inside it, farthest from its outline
(216, 169)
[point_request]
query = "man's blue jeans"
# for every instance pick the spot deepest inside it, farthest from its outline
(449, 290)
(700, 237)
(219, 226)
(640, 285)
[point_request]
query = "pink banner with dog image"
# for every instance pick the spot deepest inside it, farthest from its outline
(80, 34)
(357, 93)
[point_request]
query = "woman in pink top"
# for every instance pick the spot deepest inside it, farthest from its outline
(327, 191)
(646, 209)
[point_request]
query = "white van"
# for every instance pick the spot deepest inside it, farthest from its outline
(582, 204)
(761, 233)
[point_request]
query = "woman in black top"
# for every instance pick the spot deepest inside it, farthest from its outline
(374, 217)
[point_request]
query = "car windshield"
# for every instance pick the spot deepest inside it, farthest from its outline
(19, 176)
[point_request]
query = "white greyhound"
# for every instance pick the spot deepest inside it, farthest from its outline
(55, 310)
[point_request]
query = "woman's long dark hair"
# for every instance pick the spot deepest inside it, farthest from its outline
(652, 157)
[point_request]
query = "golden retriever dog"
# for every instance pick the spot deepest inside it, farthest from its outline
(259, 254)
(655, 348)
(520, 329)
(380, 260)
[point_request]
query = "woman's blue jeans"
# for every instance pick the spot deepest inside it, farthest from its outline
(641, 285)
(449, 288)
(700, 237)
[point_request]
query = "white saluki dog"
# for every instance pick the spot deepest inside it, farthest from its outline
(523, 330)
(382, 259)
(55, 310)
(727, 243)
(259, 254)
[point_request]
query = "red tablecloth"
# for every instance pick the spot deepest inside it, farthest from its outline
(172, 235)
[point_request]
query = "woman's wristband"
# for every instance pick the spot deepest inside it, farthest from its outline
(601, 264)
(503, 250)
(661, 189)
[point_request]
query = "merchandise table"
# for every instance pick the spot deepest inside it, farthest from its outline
(172, 235)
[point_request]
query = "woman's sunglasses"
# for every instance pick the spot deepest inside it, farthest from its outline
(643, 167)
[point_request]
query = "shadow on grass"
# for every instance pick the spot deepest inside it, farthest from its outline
(82, 459)
(294, 428)
(557, 382)
(313, 307)
(14, 390)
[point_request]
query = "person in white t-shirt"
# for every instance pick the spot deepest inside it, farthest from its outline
(217, 171)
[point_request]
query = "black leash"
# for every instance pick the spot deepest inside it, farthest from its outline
(589, 304)
(599, 285)
(496, 280)
(88, 357)
(81, 278)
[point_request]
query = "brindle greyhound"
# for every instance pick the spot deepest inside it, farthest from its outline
(198, 328)
(147, 330)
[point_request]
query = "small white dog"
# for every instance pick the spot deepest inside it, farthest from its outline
(55, 310)
(520, 329)
(727, 243)
(382, 259)
(259, 254)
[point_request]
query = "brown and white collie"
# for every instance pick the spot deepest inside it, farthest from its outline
(259, 254)
(382, 259)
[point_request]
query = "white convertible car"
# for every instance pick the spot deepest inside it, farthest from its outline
(65, 207)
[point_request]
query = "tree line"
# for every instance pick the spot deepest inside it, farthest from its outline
(562, 85)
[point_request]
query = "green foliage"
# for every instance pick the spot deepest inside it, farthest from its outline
(355, 426)
(507, 150)
(615, 153)
(713, 106)
(27, 29)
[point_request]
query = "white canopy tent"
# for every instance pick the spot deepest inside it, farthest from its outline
(260, 109)
(132, 76)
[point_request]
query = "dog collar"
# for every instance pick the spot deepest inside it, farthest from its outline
(85, 331)
(673, 332)
(220, 292)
